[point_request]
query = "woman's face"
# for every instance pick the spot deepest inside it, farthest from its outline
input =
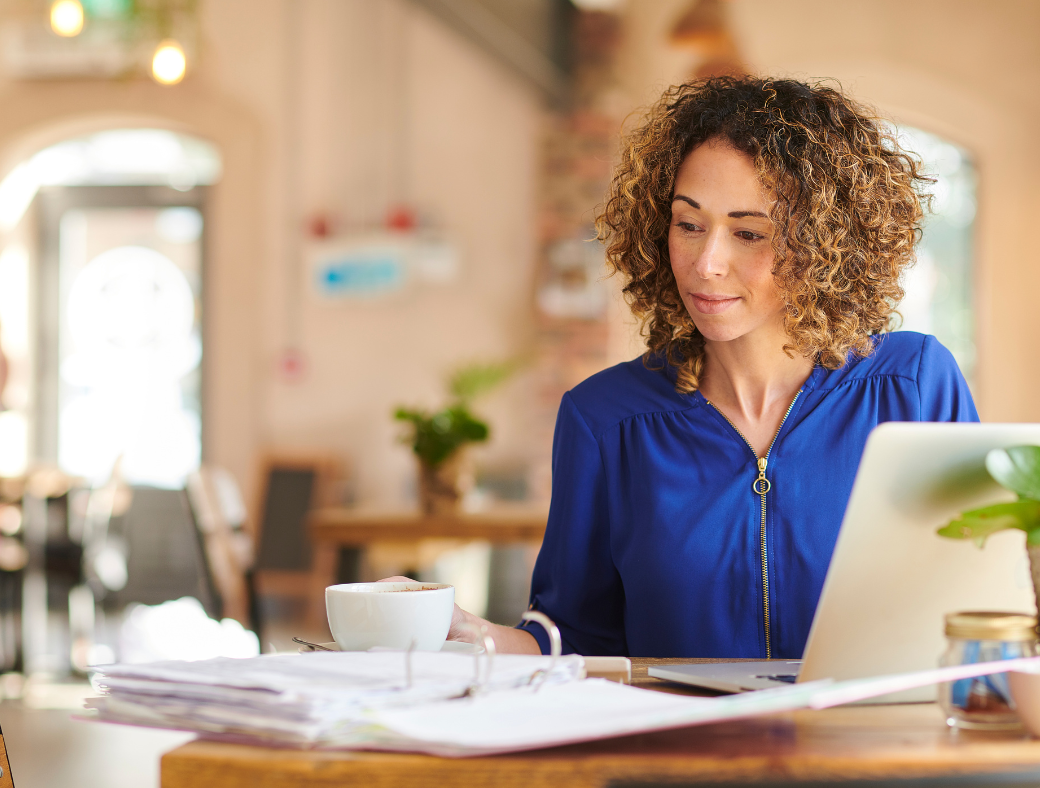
(719, 244)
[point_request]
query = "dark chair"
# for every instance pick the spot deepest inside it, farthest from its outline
(293, 485)
(165, 555)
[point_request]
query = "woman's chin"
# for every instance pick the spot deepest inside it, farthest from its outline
(729, 327)
(719, 332)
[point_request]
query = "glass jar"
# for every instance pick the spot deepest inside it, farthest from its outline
(985, 701)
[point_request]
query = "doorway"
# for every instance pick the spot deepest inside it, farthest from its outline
(119, 295)
(102, 273)
(101, 306)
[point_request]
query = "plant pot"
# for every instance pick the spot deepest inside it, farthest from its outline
(439, 491)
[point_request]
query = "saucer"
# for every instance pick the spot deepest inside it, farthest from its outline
(450, 647)
(458, 647)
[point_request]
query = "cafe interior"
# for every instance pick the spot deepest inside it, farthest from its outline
(363, 218)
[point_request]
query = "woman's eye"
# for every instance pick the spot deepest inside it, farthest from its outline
(687, 226)
(748, 236)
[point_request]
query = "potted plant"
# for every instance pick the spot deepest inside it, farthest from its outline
(1018, 469)
(438, 438)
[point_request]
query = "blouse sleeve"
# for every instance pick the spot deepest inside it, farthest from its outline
(943, 390)
(575, 581)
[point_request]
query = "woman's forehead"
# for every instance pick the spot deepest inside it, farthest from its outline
(719, 178)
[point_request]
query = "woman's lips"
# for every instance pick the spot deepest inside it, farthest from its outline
(712, 304)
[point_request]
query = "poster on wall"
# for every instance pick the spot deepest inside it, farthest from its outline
(377, 265)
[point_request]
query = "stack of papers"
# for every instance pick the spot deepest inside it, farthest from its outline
(359, 701)
(304, 699)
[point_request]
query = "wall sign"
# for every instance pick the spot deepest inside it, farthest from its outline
(376, 265)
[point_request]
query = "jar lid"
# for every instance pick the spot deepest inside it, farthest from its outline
(979, 625)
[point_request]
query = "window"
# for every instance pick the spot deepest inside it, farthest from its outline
(939, 287)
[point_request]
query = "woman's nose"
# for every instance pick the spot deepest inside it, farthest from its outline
(713, 259)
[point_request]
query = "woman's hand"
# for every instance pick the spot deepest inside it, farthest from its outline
(508, 640)
(465, 626)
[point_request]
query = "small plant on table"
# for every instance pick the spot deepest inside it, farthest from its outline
(1017, 469)
(438, 438)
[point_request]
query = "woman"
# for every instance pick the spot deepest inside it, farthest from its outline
(762, 227)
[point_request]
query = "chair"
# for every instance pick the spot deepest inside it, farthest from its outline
(220, 516)
(166, 556)
(293, 485)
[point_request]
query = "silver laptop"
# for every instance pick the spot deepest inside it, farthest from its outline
(892, 579)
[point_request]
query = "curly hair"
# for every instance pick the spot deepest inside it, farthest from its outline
(847, 213)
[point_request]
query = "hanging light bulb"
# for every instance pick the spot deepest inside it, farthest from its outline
(67, 18)
(169, 63)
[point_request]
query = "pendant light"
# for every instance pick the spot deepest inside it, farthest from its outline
(169, 63)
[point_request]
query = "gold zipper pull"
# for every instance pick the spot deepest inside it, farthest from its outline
(761, 485)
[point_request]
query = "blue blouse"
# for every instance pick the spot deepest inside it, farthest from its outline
(658, 546)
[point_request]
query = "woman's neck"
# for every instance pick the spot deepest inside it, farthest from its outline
(752, 381)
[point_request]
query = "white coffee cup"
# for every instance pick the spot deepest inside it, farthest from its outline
(390, 615)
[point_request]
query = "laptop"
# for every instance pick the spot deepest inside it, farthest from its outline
(891, 578)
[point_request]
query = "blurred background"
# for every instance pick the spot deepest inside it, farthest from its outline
(238, 236)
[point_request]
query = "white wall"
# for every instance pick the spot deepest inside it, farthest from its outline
(394, 107)
(340, 107)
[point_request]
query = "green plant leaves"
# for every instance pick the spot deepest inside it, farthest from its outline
(1017, 468)
(437, 436)
(469, 382)
(979, 524)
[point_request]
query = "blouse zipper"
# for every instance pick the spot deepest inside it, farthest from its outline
(760, 486)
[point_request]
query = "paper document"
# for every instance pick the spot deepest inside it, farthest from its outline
(304, 699)
(361, 701)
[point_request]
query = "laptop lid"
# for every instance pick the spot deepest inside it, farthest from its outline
(891, 578)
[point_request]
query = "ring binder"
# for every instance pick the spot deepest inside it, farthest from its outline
(490, 649)
(408, 664)
(483, 637)
(488, 641)
(555, 645)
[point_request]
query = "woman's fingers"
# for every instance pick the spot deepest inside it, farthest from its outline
(458, 629)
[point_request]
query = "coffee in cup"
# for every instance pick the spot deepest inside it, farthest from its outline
(390, 615)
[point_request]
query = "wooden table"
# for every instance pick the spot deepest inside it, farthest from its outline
(337, 527)
(866, 742)
(358, 527)
(5, 766)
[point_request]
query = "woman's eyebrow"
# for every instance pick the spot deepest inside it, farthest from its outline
(731, 214)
